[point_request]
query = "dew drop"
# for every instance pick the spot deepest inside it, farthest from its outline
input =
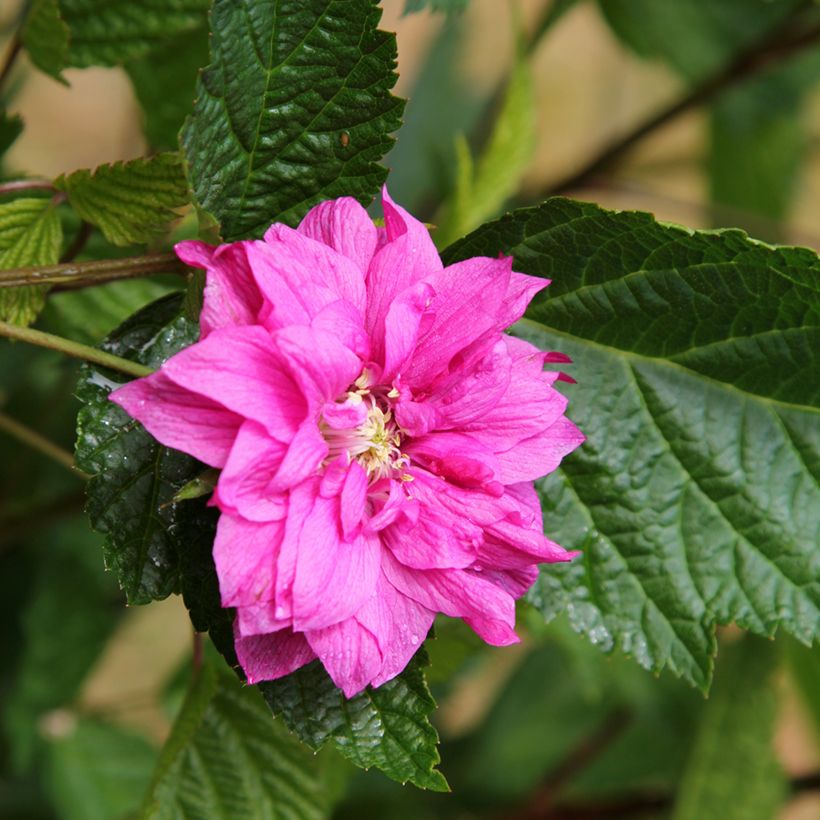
(414, 639)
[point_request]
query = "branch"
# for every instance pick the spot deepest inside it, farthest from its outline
(781, 44)
(17, 185)
(11, 58)
(40, 443)
(83, 274)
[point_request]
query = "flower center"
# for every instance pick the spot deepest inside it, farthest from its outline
(375, 443)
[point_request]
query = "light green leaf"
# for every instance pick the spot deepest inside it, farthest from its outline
(45, 37)
(295, 107)
(133, 477)
(733, 773)
(480, 193)
(30, 234)
(112, 32)
(227, 758)
(96, 771)
(695, 497)
(131, 202)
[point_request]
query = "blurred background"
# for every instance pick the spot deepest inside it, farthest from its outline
(705, 119)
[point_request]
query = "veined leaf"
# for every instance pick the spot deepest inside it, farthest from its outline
(45, 37)
(695, 497)
(481, 192)
(295, 107)
(111, 32)
(226, 757)
(134, 477)
(132, 201)
(733, 773)
(30, 234)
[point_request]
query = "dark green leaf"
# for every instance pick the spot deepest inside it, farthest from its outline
(96, 771)
(134, 477)
(112, 32)
(695, 496)
(695, 37)
(227, 758)
(130, 202)
(733, 773)
(30, 234)
(45, 37)
(164, 81)
(11, 126)
(295, 107)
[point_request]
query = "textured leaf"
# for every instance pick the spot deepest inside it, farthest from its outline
(480, 193)
(134, 477)
(733, 773)
(696, 37)
(96, 771)
(695, 497)
(132, 201)
(387, 727)
(295, 107)
(30, 234)
(111, 32)
(45, 37)
(164, 81)
(226, 758)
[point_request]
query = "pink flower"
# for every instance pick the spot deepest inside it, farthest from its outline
(378, 436)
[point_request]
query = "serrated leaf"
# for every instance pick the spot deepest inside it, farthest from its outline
(227, 758)
(164, 81)
(30, 234)
(111, 32)
(295, 107)
(96, 771)
(695, 496)
(481, 192)
(130, 202)
(134, 477)
(733, 773)
(45, 37)
(388, 727)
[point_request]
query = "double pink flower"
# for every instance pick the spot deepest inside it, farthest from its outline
(378, 436)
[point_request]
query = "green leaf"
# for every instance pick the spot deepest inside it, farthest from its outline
(294, 108)
(111, 32)
(695, 496)
(131, 202)
(481, 193)
(733, 773)
(45, 37)
(164, 81)
(30, 234)
(388, 727)
(227, 758)
(134, 477)
(695, 37)
(65, 624)
(447, 6)
(11, 126)
(96, 771)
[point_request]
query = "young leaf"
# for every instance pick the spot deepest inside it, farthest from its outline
(30, 234)
(134, 477)
(481, 192)
(226, 757)
(733, 773)
(45, 37)
(295, 107)
(130, 202)
(111, 33)
(695, 496)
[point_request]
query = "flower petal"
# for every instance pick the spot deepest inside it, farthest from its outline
(179, 418)
(268, 657)
(540, 454)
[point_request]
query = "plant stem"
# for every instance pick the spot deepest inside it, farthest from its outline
(14, 50)
(196, 658)
(16, 185)
(77, 244)
(781, 44)
(75, 349)
(40, 443)
(82, 274)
